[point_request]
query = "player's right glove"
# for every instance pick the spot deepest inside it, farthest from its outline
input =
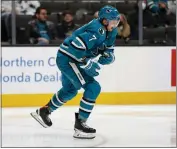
(107, 58)
(91, 68)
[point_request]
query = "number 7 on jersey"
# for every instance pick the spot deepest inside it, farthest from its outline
(93, 38)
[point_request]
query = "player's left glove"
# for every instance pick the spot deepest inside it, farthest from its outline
(91, 68)
(107, 58)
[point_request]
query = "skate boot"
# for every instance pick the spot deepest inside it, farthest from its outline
(82, 131)
(42, 116)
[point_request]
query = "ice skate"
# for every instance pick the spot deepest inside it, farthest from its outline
(82, 131)
(42, 116)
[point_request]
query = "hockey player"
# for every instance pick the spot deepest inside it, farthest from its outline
(74, 60)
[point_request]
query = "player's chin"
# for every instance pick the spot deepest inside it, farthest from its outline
(110, 29)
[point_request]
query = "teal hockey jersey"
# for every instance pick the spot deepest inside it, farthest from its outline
(89, 41)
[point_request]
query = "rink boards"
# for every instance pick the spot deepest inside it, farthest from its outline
(140, 75)
(20, 100)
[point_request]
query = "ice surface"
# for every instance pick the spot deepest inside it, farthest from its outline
(117, 126)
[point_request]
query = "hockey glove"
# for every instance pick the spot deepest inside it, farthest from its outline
(91, 68)
(107, 58)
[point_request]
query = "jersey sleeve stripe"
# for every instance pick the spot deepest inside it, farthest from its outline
(70, 55)
(65, 46)
(82, 42)
(76, 46)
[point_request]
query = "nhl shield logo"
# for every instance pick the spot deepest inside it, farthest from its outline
(101, 31)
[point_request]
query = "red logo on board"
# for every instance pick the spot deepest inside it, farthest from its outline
(173, 67)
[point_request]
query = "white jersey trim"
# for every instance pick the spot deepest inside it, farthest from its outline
(69, 54)
(77, 72)
(79, 47)
(81, 42)
(65, 46)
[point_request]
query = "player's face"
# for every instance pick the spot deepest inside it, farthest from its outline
(112, 24)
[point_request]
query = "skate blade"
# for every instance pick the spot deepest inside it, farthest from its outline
(38, 119)
(82, 135)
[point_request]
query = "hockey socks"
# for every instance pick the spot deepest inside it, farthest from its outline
(55, 102)
(85, 108)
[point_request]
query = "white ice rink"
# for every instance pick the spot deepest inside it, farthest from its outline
(117, 126)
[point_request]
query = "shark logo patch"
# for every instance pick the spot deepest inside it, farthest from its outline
(101, 31)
